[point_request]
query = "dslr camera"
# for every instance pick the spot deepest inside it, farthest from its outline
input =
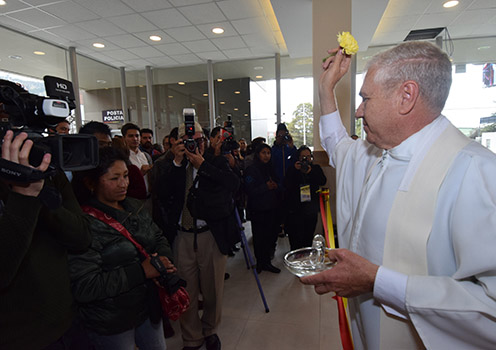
(189, 123)
(227, 137)
(21, 111)
(305, 164)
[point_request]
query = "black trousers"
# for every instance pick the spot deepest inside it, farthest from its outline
(300, 228)
(264, 229)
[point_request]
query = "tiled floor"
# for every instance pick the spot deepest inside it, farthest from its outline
(298, 319)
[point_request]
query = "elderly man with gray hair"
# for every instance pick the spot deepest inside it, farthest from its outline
(416, 209)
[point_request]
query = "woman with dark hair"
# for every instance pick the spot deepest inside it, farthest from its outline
(112, 282)
(264, 197)
(301, 184)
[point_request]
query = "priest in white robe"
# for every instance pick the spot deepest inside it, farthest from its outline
(416, 209)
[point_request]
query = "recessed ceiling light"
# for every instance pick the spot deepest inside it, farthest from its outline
(99, 45)
(100, 81)
(39, 53)
(258, 68)
(451, 3)
(205, 95)
(181, 83)
(237, 92)
(236, 109)
(259, 76)
(246, 114)
(222, 102)
(219, 80)
(170, 96)
(155, 38)
(2, 2)
(15, 57)
(217, 30)
(193, 104)
(249, 101)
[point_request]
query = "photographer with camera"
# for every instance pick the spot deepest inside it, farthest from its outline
(40, 218)
(205, 228)
(302, 182)
(40, 221)
(113, 282)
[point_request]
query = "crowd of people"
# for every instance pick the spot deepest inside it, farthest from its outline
(106, 293)
(415, 214)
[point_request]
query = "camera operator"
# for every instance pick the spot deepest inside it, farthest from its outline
(199, 243)
(302, 182)
(40, 221)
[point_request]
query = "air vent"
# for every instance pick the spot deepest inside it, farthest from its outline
(423, 34)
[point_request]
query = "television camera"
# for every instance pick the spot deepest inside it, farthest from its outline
(22, 111)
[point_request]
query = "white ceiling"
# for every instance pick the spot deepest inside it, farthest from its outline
(253, 28)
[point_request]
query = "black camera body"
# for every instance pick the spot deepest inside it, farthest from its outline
(24, 112)
(170, 281)
(286, 137)
(227, 137)
(305, 164)
(189, 123)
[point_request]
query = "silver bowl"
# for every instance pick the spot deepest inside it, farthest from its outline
(307, 261)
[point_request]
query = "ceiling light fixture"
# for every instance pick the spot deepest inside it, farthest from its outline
(2, 2)
(217, 30)
(237, 92)
(222, 102)
(451, 3)
(205, 95)
(483, 48)
(39, 53)
(259, 76)
(219, 80)
(100, 81)
(181, 83)
(170, 96)
(15, 57)
(98, 45)
(258, 68)
(155, 38)
(236, 108)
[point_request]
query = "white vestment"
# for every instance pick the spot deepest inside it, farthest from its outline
(454, 306)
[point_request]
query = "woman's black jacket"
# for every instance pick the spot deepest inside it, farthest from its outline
(108, 281)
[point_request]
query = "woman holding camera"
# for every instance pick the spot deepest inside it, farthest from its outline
(112, 282)
(302, 182)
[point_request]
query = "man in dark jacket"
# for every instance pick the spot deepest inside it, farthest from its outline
(39, 222)
(200, 242)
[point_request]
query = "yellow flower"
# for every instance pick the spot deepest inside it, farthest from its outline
(347, 42)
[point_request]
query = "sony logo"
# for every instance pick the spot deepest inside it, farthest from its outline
(10, 172)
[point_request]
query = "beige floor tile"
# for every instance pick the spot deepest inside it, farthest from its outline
(298, 317)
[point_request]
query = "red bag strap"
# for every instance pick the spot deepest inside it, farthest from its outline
(100, 215)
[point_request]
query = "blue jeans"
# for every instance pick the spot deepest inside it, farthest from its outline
(147, 336)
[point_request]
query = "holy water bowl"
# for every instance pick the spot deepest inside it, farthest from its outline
(307, 261)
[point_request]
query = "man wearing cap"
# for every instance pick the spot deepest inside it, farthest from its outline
(200, 246)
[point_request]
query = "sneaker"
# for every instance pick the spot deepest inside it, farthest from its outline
(212, 342)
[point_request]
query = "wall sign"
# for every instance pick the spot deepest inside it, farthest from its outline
(113, 116)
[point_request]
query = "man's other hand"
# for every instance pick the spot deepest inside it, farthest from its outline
(351, 276)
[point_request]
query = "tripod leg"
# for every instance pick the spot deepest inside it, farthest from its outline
(247, 253)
